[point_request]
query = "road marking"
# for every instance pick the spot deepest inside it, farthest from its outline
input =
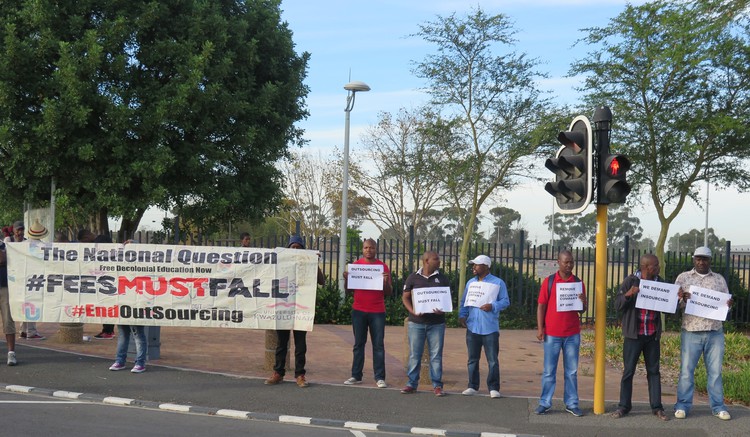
(358, 433)
(42, 402)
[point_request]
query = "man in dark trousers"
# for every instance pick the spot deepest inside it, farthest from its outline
(642, 331)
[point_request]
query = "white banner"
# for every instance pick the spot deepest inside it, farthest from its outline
(480, 293)
(657, 296)
(428, 299)
(567, 296)
(365, 277)
(162, 285)
(708, 303)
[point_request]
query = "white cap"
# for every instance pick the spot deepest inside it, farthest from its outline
(702, 251)
(482, 259)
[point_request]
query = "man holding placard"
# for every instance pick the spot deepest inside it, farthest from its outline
(561, 298)
(370, 281)
(702, 333)
(641, 329)
(427, 297)
(484, 297)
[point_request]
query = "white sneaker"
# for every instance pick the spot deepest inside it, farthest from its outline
(381, 383)
(352, 381)
(12, 359)
(469, 392)
(679, 414)
(494, 394)
(723, 415)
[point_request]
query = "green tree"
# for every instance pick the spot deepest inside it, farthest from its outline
(677, 75)
(185, 104)
(507, 226)
(489, 107)
(687, 242)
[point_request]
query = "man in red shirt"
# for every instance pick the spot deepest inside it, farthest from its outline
(368, 313)
(560, 331)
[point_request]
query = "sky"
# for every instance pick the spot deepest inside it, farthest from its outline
(370, 41)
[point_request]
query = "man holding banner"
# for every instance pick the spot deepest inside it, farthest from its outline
(370, 280)
(561, 298)
(427, 297)
(706, 299)
(484, 297)
(641, 329)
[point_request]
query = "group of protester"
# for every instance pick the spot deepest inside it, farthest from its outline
(558, 329)
(641, 329)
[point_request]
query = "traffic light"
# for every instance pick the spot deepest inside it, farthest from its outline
(612, 186)
(573, 168)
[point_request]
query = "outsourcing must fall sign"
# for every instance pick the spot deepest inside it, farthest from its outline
(162, 285)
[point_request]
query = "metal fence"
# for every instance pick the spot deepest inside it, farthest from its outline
(521, 266)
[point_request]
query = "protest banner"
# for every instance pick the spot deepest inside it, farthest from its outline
(365, 277)
(567, 296)
(657, 296)
(428, 299)
(480, 293)
(707, 303)
(162, 285)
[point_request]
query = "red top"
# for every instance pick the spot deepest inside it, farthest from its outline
(370, 301)
(559, 324)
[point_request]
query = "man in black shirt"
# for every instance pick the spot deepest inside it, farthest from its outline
(429, 326)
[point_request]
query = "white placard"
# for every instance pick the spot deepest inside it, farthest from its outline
(657, 296)
(708, 303)
(567, 296)
(428, 299)
(365, 277)
(480, 293)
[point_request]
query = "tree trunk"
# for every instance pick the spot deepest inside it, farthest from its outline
(129, 225)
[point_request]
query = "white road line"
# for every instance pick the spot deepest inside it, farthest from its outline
(358, 433)
(42, 402)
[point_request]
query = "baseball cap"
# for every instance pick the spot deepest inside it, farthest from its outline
(702, 251)
(482, 259)
(18, 225)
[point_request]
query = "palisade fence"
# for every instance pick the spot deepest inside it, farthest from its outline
(521, 266)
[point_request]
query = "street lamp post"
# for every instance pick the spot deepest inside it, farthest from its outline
(351, 88)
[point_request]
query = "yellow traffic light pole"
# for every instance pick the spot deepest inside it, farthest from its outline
(600, 310)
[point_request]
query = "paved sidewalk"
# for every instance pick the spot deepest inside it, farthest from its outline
(242, 352)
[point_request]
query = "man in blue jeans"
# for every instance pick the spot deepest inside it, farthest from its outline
(368, 314)
(429, 326)
(560, 331)
(701, 336)
(482, 323)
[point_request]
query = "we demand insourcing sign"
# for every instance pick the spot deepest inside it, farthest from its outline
(161, 285)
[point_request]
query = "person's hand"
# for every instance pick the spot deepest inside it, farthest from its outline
(633, 291)
(684, 295)
(346, 274)
(462, 322)
(582, 298)
(437, 311)
(486, 307)
(730, 302)
(540, 334)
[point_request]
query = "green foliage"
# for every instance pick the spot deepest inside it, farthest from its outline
(735, 371)
(676, 74)
(177, 103)
(330, 307)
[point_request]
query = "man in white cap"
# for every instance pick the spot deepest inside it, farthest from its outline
(701, 336)
(480, 315)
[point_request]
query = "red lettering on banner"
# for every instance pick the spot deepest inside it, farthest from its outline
(178, 287)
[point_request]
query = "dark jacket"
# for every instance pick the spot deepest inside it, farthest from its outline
(627, 311)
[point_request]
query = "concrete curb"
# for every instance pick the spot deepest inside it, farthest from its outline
(247, 415)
